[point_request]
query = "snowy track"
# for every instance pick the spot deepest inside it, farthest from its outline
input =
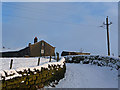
(89, 76)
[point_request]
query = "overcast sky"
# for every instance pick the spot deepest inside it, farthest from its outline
(67, 26)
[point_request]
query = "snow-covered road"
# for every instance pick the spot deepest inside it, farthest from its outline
(89, 76)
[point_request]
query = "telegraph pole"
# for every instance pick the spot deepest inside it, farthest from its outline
(107, 27)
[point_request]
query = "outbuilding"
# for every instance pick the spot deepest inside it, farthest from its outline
(38, 49)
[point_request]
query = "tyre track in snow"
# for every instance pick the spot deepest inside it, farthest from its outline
(88, 76)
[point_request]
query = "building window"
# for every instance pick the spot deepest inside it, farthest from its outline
(42, 51)
(42, 43)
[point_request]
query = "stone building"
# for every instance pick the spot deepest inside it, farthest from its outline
(65, 53)
(37, 49)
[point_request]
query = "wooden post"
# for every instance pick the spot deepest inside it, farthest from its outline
(107, 25)
(11, 63)
(50, 59)
(57, 56)
(38, 61)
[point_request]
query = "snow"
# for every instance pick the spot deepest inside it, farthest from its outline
(12, 73)
(9, 73)
(9, 50)
(22, 82)
(113, 62)
(77, 75)
(88, 76)
(22, 62)
(114, 57)
(11, 77)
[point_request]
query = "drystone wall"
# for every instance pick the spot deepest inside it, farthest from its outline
(37, 77)
(113, 62)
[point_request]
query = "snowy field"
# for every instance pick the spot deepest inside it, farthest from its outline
(12, 73)
(21, 62)
(89, 76)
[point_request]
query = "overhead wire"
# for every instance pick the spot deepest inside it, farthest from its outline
(37, 13)
(37, 17)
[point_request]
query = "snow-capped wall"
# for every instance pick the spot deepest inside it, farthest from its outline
(27, 76)
(109, 61)
(9, 74)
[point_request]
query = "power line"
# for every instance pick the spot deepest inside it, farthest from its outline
(28, 7)
(39, 15)
(44, 20)
(37, 11)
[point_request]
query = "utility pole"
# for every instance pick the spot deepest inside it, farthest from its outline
(81, 50)
(107, 27)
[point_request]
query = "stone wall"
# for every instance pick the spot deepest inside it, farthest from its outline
(113, 62)
(46, 77)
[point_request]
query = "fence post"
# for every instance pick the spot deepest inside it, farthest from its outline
(11, 63)
(50, 59)
(38, 61)
(57, 56)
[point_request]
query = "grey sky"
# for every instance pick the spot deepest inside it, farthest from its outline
(67, 26)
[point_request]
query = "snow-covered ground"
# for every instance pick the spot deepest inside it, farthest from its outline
(21, 62)
(12, 73)
(77, 75)
(89, 76)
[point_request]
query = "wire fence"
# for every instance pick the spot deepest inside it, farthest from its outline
(14, 63)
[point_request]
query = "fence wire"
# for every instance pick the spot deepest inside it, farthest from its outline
(23, 62)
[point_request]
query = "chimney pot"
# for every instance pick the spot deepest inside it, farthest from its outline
(29, 44)
(35, 39)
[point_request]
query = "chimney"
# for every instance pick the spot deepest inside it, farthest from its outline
(29, 44)
(35, 39)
